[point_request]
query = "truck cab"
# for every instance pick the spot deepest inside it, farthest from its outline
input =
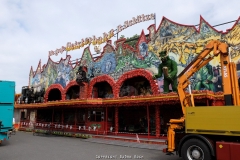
(7, 92)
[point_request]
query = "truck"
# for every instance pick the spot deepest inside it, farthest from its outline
(207, 132)
(7, 93)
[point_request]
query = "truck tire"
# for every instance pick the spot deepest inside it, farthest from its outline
(195, 149)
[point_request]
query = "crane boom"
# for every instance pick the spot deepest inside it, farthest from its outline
(213, 49)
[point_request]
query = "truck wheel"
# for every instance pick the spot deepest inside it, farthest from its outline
(195, 149)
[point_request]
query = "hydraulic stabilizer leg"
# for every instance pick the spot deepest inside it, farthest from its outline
(171, 138)
(174, 124)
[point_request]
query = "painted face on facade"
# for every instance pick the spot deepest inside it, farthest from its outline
(108, 66)
(143, 48)
(163, 56)
(59, 75)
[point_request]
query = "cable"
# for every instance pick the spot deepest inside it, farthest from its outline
(219, 24)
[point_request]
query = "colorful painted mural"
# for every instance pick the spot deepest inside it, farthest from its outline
(185, 42)
(182, 42)
(52, 73)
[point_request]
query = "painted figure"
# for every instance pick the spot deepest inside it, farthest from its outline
(60, 80)
(165, 30)
(204, 78)
(66, 70)
(108, 66)
(168, 68)
(37, 83)
(143, 48)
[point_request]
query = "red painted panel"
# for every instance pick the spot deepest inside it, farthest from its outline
(227, 151)
(235, 149)
(223, 151)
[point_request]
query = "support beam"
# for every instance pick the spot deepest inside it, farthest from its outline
(75, 120)
(148, 121)
(52, 115)
(106, 121)
(62, 117)
(157, 120)
(116, 120)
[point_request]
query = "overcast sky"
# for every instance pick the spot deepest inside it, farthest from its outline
(31, 28)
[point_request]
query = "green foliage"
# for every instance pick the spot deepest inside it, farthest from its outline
(84, 136)
(29, 130)
(132, 41)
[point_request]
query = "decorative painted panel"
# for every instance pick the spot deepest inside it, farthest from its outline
(183, 43)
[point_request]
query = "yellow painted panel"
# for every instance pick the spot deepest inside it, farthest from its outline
(221, 120)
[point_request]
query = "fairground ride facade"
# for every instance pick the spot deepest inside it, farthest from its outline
(114, 93)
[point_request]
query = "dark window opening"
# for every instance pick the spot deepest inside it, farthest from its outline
(95, 116)
(133, 120)
(44, 115)
(69, 116)
(23, 115)
(102, 90)
(57, 116)
(73, 92)
(135, 86)
(54, 95)
(168, 112)
(110, 115)
(80, 117)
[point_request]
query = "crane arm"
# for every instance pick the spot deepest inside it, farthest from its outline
(212, 49)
